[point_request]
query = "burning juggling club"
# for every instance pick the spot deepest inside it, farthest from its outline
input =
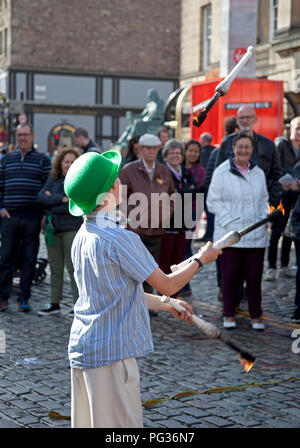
(223, 87)
(213, 332)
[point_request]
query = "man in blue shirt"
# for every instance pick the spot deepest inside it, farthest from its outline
(23, 173)
(111, 326)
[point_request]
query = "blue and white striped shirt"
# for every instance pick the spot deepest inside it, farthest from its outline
(111, 319)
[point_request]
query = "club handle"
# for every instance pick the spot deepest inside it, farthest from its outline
(208, 328)
(224, 85)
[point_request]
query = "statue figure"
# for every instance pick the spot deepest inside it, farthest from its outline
(149, 121)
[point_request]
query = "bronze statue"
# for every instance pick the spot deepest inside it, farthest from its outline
(149, 121)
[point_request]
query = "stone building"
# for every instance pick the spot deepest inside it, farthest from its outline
(73, 63)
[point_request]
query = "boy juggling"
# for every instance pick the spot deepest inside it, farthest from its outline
(111, 326)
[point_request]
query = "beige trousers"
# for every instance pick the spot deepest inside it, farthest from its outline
(107, 397)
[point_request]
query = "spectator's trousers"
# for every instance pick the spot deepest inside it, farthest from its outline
(19, 238)
(59, 255)
(238, 264)
(277, 230)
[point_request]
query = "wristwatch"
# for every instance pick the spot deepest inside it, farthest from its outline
(199, 263)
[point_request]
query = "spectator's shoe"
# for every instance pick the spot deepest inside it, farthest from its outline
(50, 308)
(296, 316)
(24, 306)
(286, 272)
(270, 275)
(257, 325)
(229, 323)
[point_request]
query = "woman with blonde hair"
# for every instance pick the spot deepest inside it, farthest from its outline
(60, 228)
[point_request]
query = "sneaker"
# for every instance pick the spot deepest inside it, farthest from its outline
(257, 325)
(270, 275)
(296, 316)
(24, 306)
(287, 272)
(51, 308)
(229, 324)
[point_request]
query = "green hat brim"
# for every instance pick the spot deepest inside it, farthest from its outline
(75, 210)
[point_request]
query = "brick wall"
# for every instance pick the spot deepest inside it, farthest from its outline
(125, 36)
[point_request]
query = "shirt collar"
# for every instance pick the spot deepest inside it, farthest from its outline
(147, 168)
(101, 217)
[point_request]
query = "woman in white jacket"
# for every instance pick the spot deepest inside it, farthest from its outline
(237, 196)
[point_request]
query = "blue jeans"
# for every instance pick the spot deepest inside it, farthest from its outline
(18, 236)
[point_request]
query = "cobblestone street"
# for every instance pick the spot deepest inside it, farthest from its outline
(35, 375)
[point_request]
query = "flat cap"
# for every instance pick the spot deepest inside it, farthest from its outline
(149, 140)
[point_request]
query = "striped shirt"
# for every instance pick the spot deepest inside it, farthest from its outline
(111, 319)
(21, 178)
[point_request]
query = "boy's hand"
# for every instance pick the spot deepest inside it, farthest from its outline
(208, 253)
(183, 315)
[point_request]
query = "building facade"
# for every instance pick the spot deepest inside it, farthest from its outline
(74, 63)
(210, 28)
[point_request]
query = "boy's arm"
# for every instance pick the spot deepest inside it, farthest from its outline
(154, 303)
(168, 284)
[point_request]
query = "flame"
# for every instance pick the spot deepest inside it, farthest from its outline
(247, 364)
(272, 209)
(195, 118)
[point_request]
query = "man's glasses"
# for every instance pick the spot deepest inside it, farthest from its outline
(246, 117)
(23, 135)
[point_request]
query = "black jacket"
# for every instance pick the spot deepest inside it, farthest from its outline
(187, 184)
(92, 147)
(62, 220)
(205, 154)
(286, 154)
(265, 156)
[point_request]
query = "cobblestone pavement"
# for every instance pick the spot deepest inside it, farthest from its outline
(184, 360)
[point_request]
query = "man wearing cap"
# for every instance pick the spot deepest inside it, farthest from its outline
(148, 176)
(111, 325)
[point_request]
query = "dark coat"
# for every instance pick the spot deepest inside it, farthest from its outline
(205, 154)
(287, 156)
(264, 155)
(62, 220)
(187, 184)
(295, 219)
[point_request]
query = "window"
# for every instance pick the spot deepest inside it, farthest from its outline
(134, 92)
(273, 17)
(206, 37)
(64, 89)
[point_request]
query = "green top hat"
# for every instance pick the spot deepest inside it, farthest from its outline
(89, 179)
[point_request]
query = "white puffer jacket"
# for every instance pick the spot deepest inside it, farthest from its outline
(237, 202)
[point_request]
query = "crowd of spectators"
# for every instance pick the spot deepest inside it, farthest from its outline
(233, 179)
